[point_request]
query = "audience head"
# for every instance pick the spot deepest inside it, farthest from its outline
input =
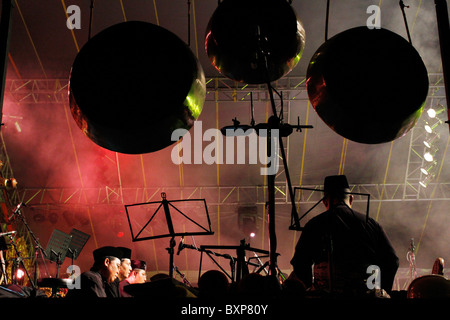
(213, 284)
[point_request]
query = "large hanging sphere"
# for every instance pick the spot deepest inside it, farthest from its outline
(254, 41)
(132, 85)
(369, 86)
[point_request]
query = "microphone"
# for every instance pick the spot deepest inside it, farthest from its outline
(16, 209)
(7, 233)
(412, 248)
(180, 246)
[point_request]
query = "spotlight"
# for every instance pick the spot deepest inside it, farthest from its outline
(429, 142)
(20, 274)
(429, 128)
(428, 169)
(247, 220)
(10, 183)
(17, 274)
(424, 183)
(430, 154)
(433, 112)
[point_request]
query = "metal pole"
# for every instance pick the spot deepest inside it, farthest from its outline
(444, 39)
(5, 31)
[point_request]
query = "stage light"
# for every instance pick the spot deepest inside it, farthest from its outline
(426, 170)
(17, 274)
(247, 220)
(424, 183)
(433, 112)
(429, 127)
(430, 154)
(429, 141)
(20, 273)
(10, 183)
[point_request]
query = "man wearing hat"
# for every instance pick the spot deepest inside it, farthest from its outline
(341, 244)
(112, 289)
(137, 275)
(105, 270)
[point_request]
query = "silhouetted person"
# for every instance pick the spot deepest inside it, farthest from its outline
(213, 284)
(257, 286)
(341, 245)
(292, 287)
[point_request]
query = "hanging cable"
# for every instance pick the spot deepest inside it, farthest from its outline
(189, 22)
(402, 7)
(91, 17)
(326, 20)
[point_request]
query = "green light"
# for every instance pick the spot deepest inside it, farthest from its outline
(196, 97)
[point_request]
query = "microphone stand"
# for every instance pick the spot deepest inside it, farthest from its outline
(412, 260)
(20, 261)
(185, 281)
(58, 261)
(38, 248)
(284, 130)
(171, 252)
(209, 253)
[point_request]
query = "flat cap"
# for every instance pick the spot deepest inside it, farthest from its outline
(106, 251)
(138, 264)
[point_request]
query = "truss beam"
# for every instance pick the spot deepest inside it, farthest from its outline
(218, 195)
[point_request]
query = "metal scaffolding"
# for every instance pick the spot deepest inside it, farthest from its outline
(54, 91)
(216, 195)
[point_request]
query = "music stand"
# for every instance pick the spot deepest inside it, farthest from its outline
(57, 248)
(242, 265)
(295, 221)
(165, 206)
(79, 239)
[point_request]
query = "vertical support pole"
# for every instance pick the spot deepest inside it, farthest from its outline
(5, 31)
(271, 204)
(444, 40)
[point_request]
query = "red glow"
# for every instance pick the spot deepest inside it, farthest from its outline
(120, 234)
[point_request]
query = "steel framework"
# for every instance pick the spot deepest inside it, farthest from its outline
(217, 195)
(48, 91)
(54, 91)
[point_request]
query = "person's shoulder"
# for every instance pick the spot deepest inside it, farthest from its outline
(354, 213)
(91, 275)
(316, 220)
(124, 282)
